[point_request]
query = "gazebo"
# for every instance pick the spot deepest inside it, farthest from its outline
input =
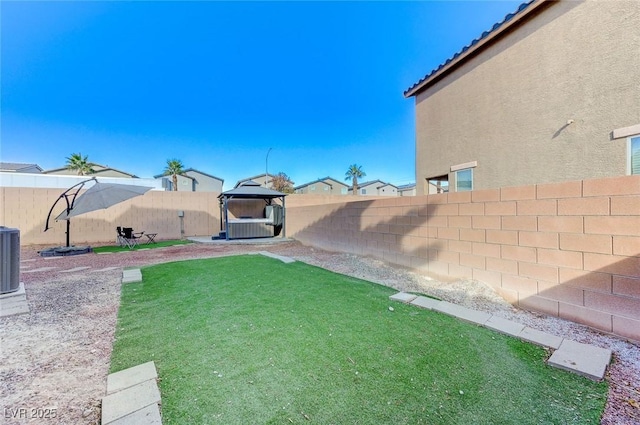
(251, 211)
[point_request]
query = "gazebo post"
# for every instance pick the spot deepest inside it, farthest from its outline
(284, 220)
(226, 218)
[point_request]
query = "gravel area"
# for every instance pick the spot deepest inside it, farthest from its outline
(54, 361)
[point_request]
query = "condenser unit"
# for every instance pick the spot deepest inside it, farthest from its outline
(9, 260)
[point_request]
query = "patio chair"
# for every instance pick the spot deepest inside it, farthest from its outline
(126, 237)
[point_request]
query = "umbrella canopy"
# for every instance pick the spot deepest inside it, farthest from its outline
(101, 196)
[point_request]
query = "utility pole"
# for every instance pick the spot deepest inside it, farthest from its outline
(266, 178)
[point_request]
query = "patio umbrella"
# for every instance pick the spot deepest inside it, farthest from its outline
(100, 196)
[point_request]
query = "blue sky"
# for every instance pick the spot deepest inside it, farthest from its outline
(216, 84)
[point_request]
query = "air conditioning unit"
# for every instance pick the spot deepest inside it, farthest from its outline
(9, 260)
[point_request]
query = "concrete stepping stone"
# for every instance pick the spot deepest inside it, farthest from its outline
(403, 297)
(467, 314)
(131, 275)
(130, 400)
(583, 359)
(425, 302)
(540, 338)
(133, 397)
(149, 415)
(127, 378)
(282, 258)
(504, 326)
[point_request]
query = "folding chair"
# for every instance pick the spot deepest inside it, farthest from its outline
(126, 238)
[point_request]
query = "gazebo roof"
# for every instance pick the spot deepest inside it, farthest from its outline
(251, 190)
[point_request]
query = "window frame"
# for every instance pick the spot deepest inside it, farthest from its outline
(457, 173)
(631, 141)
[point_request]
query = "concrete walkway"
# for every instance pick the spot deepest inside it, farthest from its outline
(583, 359)
(133, 397)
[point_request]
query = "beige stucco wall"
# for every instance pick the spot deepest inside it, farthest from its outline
(508, 107)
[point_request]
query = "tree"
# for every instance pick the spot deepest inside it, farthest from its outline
(80, 164)
(173, 168)
(354, 172)
(282, 183)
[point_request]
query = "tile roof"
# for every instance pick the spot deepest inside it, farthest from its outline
(474, 45)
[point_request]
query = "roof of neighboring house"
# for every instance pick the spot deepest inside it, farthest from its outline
(248, 179)
(184, 174)
(372, 182)
(100, 168)
(322, 180)
(17, 166)
(499, 28)
(406, 186)
(193, 170)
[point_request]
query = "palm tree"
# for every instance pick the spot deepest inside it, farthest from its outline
(173, 168)
(80, 164)
(354, 172)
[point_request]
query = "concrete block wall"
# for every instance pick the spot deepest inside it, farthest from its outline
(569, 249)
(153, 212)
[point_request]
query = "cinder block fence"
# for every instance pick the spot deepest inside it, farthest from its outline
(569, 249)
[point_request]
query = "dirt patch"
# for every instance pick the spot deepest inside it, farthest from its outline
(57, 356)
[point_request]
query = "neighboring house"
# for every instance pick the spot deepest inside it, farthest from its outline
(549, 94)
(324, 186)
(263, 180)
(407, 189)
(192, 180)
(376, 188)
(98, 171)
(20, 168)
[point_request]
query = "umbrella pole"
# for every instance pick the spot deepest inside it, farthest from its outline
(68, 228)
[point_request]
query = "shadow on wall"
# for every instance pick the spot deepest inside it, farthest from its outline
(392, 230)
(448, 240)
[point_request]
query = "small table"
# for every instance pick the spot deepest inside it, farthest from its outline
(151, 237)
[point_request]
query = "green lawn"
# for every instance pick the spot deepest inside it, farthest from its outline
(251, 340)
(142, 245)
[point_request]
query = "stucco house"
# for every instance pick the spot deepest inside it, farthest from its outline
(376, 188)
(263, 179)
(98, 171)
(549, 94)
(407, 189)
(192, 180)
(323, 186)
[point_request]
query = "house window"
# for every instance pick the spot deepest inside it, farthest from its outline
(438, 184)
(464, 180)
(344, 190)
(634, 155)
(363, 191)
(326, 188)
(313, 187)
